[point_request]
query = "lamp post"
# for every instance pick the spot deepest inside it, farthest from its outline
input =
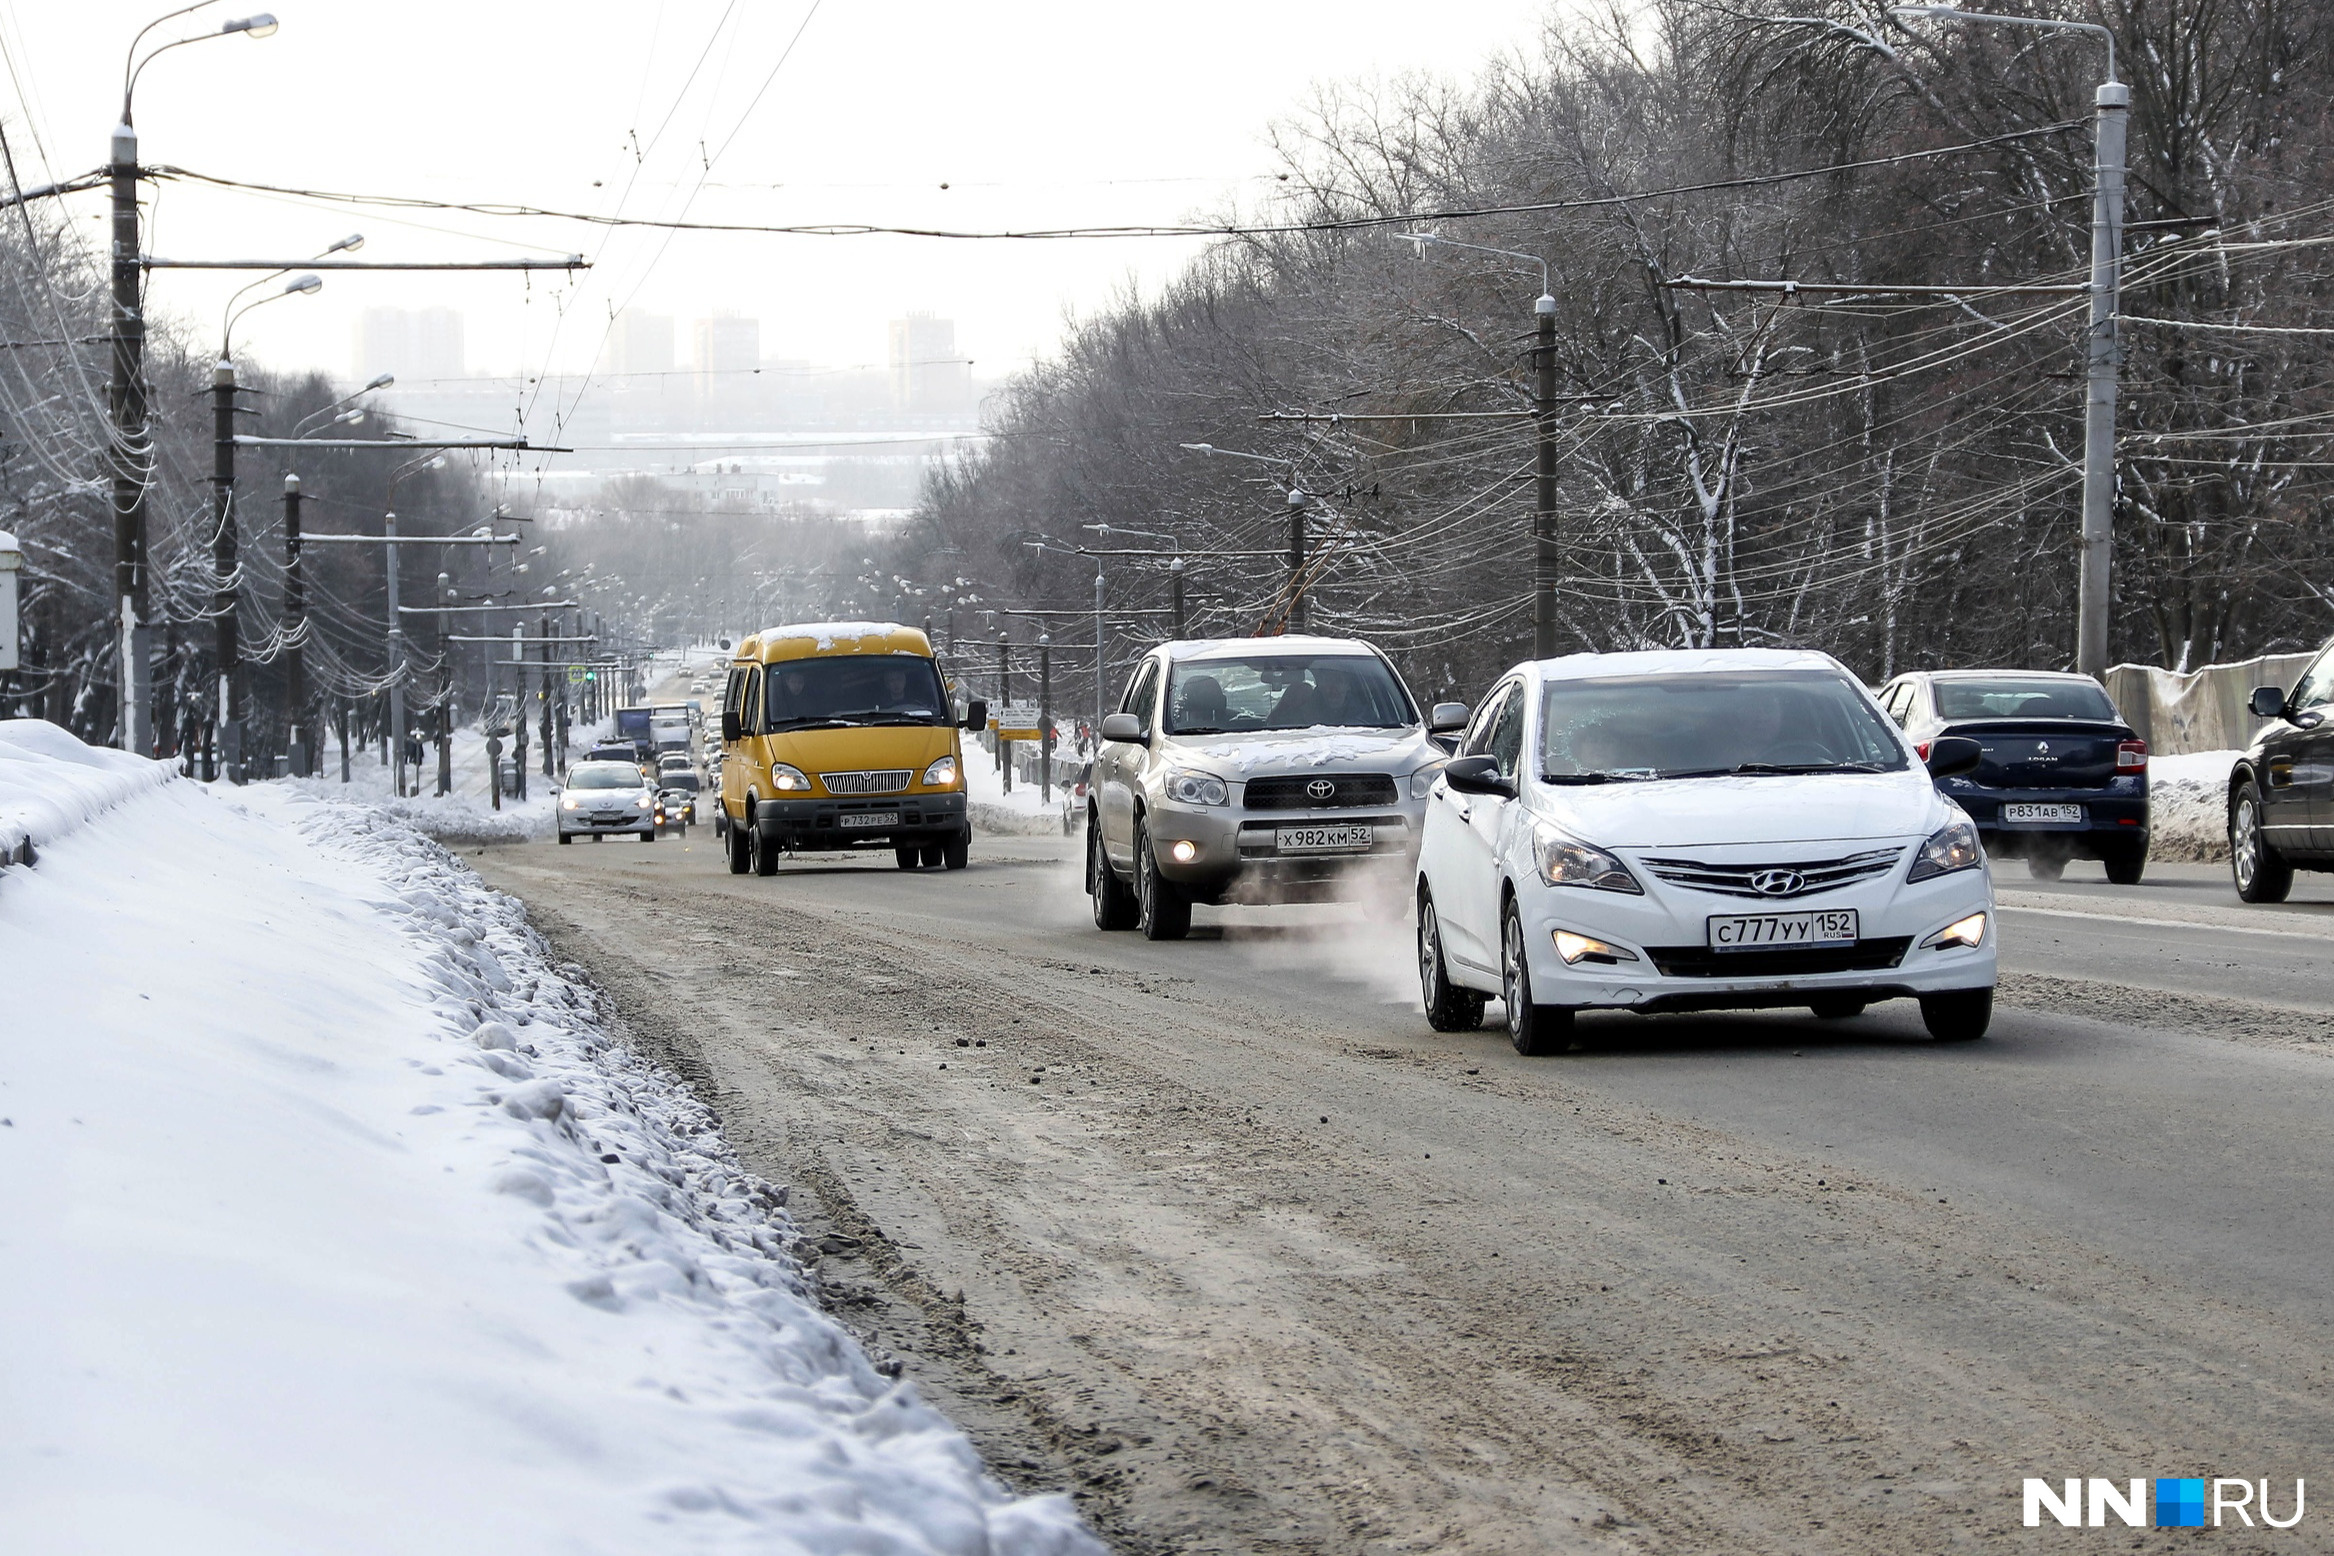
(397, 621)
(2103, 353)
(1299, 615)
(1545, 560)
(132, 447)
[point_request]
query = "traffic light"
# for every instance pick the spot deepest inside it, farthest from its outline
(590, 676)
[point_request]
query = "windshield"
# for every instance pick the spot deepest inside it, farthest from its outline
(2009, 698)
(1704, 725)
(1285, 691)
(604, 775)
(685, 782)
(847, 689)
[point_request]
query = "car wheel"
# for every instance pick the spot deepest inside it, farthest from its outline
(1837, 1008)
(1533, 1028)
(1958, 1015)
(2045, 867)
(936, 855)
(648, 836)
(2262, 873)
(740, 860)
(566, 837)
(2126, 866)
(1114, 905)
(956, 853)
(909, 858)
(765, 851)
(1161, 912)
(1449, 1008)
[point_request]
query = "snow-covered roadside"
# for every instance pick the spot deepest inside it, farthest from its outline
(336, 1223)
(1020, 813)
(467, 815)
(2188, 799)
(50, 783)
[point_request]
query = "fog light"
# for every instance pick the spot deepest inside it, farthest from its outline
(1970, 931)
(1581, 948)
(1184, 851)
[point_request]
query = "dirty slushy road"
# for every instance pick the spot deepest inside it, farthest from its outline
(1219, 1237)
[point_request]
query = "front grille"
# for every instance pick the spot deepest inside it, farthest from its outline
(885, 780)
(1796, 878)
(1297, 791)
(1699, 961)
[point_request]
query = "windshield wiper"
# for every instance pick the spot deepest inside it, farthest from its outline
(1200, 729)
(1755, 769)
(1571, 778)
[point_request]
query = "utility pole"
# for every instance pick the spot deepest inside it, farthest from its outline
(1298, 615)
(2094, 592)
(295, 635)
(1045, 717)
(1544, 551)
(445, 725)
(396, 659)
(1175, 593)
(126, 400)
(1004, 697)
(224, 594)
(545, 628)
(1099, 659)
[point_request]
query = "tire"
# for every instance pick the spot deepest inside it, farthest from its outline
(2124, 868)
(649, 836)
(909, 858)
(2261, 873)
(1533, 1028)
(1449, 1008)
(1958, 1015)
(740, 858)
(2045, 867)
(1114, 905)
(1837, 1007)
(936, 855)
(763, 851)
(956, 853)
(1161, 911)
(566, 838)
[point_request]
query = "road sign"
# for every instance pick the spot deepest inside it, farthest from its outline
(575, 675)
(1015, 721)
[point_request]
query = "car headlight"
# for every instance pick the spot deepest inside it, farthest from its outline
(1422, 781)
(783, 777)
(1566, 861)
(941, 774)
(570, 803)
(1185, 787)
(1947, 850)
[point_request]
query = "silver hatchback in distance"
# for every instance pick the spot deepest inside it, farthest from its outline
(1290, 769)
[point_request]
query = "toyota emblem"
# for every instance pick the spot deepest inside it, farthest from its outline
(1777, 883)
(1320, 789)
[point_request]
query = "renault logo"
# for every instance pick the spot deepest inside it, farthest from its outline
(1777, 883)
(1320, 789)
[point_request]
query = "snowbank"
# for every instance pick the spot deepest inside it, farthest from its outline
(50, 783)
(467, 815)
(2188, 804)
(1021, 813)
(337, 1223)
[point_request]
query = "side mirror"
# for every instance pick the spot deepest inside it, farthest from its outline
(1950, 755)
(2267, 702)
(1477, 775)
(976, 715)
(1448, 718)
(729, 724)
(1124, 728)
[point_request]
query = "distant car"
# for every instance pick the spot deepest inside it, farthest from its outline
(2281, 791)
(679, 792)
(2061, 775)
(613, 751)
(1266, 770)
(1689, 830)
(676, 762)
(603, 797)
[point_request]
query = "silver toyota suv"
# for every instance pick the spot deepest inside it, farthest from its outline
(1290, 769)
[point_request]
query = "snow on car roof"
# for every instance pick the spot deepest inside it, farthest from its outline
(1684, 661)
(1264, 648)
(2023, 675)
(806, 639)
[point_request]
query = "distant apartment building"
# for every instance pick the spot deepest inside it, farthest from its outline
(927, 375)
(640, 344)
(417, 344)
(726, 349)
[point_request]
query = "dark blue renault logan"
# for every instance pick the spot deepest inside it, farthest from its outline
(2062, 776)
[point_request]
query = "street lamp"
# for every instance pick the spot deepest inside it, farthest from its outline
(1545, 561)
(1299, 615)
(396, 620)
(132, 444)
(2096, 557)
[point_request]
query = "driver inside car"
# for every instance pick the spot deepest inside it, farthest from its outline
(1203, 705)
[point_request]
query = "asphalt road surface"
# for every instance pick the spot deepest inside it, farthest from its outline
(1219, 1237)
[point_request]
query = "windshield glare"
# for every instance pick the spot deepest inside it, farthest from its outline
(2021, 699)
(854, 689)
(1704, 724)
(604, 775)
(1285, 691)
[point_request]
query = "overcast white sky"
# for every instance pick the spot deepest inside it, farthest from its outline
(1034, 113)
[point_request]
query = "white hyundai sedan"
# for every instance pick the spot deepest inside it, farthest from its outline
(1697, 830)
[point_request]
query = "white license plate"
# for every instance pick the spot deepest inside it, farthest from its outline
(868, 818)
(1325, 840)
(1767, 931)
(2013, 814)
